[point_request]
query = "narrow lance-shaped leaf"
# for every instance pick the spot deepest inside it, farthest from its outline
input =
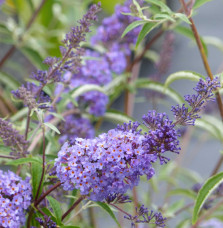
(132, 26)
(184, 192)
(119, 117)
(214, 41)
(188, 33)
(209, 127)
(199, 3)
(162, 5)
(183, 17)
(51, 126)
(209, 186)
(21, 161)
(109, 211)
(148, 27)
(183, 75)
(159, 87)
(55, 205)
(36, 171)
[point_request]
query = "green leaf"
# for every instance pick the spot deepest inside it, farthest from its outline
(119, 117)
(36, 172)
(183, 75)
(55, 205)
(34, 57)
(69, 227)
(21, 7)
(4, 149)
(109, 211)
(162, 5)
(51, 126)
(188, 33)
(9, 81)
(132, 26)
(174, 207)
(190, 175)
(159, 16)
(21, 161)
(148, 27)
(159, 87)
(184, 192)
(86, 88)
(184, 224)
(209, 186)
(183, 17)
(57, 115)
(199, 3)
(214, 41)
(49, 213)
(211, 125)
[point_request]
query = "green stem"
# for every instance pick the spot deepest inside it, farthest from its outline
(43, 165)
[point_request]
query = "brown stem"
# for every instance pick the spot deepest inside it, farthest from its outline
(38, 202)
(43, 168)
(32, 19)
(47, 193)
(72, 207)
(203, 55)
(147, 47)
(7, 55)
(208, 70)
(13, 48)
(124, 212)
(8, 157)
(218, 165)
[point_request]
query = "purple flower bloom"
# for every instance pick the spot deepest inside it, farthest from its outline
(109, 164)
(26, 96)
(47, 222)
(162, 136)
(32, 96)
(13, 139)
(204, 90)
(15, 198)
(74, 127)
(213, 222)
(112, 28)
(144, 216)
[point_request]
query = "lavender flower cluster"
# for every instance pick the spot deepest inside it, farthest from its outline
(70, 61)
(197, 101)
(13, 139)
(75, 126)
(99, 67)
(113, 162)
(15, 198)
(147, 217)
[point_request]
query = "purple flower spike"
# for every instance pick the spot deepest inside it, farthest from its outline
(204, 90)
